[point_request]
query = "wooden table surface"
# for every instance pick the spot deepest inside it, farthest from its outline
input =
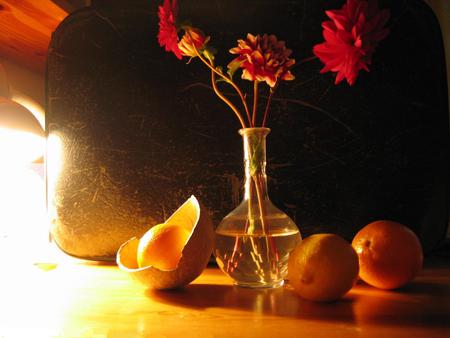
(82, 299)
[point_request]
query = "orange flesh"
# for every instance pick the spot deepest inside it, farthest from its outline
(162, 246)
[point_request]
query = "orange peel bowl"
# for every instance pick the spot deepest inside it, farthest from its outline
(195, 254)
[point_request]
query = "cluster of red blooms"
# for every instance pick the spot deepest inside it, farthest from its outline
(351, 37)
(263, 58)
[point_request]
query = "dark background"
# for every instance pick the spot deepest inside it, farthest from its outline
(142, 131)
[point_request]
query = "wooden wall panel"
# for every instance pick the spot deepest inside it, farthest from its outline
(25, 30)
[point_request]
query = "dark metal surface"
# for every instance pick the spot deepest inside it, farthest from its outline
(71, 5)
(142, 131)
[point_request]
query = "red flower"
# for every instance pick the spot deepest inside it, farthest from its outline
(167, 35)
(192, 37)
(351, 38)
(263, 58)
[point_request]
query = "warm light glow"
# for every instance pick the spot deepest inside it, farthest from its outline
(46, 302)
(54, 166)
(21, 135)
(55, 160)
(23, 221)
(34, 107)
(20, 147)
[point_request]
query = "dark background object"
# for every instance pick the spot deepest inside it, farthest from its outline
(141, 131)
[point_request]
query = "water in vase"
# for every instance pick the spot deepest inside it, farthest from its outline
(255, 259)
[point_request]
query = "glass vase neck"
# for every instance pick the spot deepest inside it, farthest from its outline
(254, 144)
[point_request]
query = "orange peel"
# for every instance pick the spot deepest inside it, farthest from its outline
(194, 257)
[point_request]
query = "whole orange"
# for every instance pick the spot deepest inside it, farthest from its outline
(390, 254)
(323, 267)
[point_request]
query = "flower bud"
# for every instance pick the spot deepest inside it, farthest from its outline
(193, 39)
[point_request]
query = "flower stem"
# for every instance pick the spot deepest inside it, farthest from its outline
(308, 59)
(255, 101)
(210, 65)
(270, 242)
(266, 112)
(225, 99)
(260, 204)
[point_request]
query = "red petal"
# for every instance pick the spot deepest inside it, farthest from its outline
(341, 21)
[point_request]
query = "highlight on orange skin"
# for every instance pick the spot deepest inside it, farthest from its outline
(162, 246)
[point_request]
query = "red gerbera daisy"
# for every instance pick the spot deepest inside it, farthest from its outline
(167, 35)
(351, 37)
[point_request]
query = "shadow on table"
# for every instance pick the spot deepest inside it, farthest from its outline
(277, 302)
(415, 305)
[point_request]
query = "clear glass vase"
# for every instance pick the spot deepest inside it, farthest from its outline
(253, 241)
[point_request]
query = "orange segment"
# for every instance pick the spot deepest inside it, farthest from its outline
(162, 246)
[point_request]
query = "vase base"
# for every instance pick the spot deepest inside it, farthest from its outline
(260, 285)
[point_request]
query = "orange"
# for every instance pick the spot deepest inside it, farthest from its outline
(390, 254)
(187, 259)
(323, 267)
(161, 246)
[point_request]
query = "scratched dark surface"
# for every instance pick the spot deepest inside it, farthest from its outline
(141, 131)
